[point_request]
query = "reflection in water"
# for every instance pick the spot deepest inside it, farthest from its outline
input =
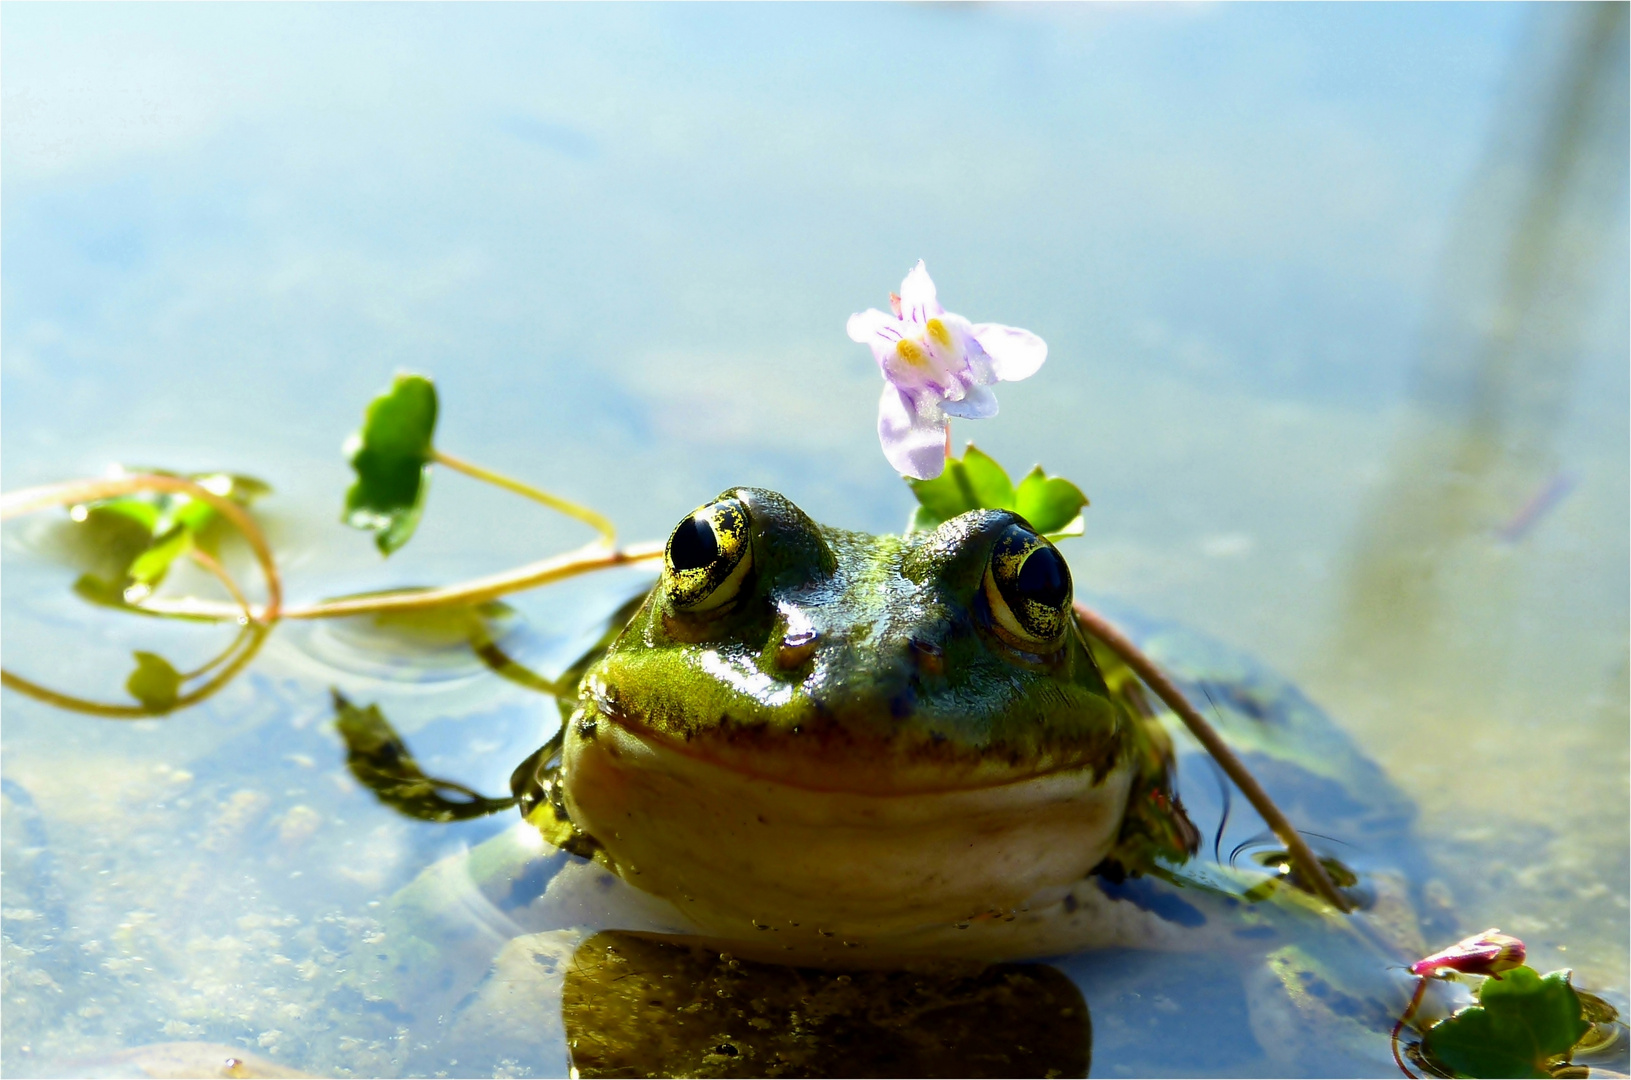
(416, 646)
(382, 762)
(635, 1006)
(1502, 347)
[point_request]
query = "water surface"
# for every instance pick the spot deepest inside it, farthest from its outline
(1335, 305)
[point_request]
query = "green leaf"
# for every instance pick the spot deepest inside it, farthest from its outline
(161, 511)
(134, 539)
(101, 592)
(392, 454)
(154, 683)
(1522, 1025)
(381, 761)
(983, 481)
(976, 482)
(1052, 504)
(144, 512)
(149, 568)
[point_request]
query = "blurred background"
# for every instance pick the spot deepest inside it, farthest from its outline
(1335, 296)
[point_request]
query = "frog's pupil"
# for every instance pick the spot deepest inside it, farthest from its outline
(1043, 579)
(694, 545)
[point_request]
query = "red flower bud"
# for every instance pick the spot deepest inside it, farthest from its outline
(1489, 953)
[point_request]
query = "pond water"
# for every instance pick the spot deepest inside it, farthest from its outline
(1335, 301)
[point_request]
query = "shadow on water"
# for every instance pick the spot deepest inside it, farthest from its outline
(636, 1006)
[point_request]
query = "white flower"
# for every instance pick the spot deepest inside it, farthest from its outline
(936, 365)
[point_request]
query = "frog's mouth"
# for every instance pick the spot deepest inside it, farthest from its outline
(864, 754)
(736, 848)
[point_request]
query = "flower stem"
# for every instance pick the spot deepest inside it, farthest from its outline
(1301, 855)
(571, 509)
(585, 560)
(28, 500)
(1409, 1011)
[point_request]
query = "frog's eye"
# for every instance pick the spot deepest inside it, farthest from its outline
(709, 555)
(1027, 585)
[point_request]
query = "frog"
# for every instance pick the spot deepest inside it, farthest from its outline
(826, 749)
(826, 745)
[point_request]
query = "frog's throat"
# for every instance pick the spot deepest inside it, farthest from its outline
(742, 855)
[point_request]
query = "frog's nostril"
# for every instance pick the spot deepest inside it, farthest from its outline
(796, 648)
(929, 658)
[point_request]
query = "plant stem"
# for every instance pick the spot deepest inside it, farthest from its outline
(256, 635)
(582, 561)
(595, 521)
(1307, 865)
(247, 626)
(504, 666)
(1410, 1011)
(28, 500)
(213, 565)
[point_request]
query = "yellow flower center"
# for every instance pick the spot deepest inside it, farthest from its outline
(911, 352)
(938, 333)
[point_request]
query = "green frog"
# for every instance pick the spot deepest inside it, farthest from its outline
(831, 747)
(830, 750)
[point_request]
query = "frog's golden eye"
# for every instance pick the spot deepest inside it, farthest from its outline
(709, 555)
(1027, 585)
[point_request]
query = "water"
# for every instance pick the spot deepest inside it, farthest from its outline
(1335, 304)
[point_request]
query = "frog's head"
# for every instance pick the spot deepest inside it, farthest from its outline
(804, 723)
(840, 660)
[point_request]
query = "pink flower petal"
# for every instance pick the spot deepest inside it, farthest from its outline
(917, 296)
(1015, 353)
(914, 444)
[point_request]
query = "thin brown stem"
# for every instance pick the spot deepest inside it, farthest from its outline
(256, 634)
(248, 626)
(479, 590)
(1308, 866)
(1409, 1012)
(565, 506)
(213, 565)
(29, 500)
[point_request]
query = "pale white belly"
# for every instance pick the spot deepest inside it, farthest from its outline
(778, 872)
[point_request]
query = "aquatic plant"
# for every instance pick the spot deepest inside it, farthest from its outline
(1524, 1024)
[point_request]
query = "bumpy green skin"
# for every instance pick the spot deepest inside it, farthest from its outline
(873, 663)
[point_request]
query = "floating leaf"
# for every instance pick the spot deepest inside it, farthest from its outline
(1523, 1025)
(149, 568)
(132, 540)
(1052, 505)
(154, 683)
(391, 455)
(101, 592)
(381, 761)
